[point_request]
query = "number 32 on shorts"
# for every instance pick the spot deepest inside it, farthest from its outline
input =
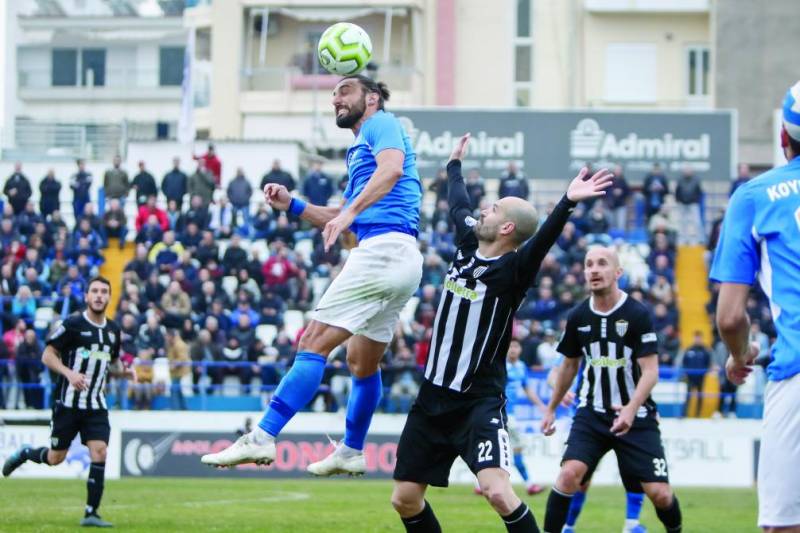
(660, 467)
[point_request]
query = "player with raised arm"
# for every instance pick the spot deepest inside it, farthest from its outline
(82, 350)
(381, 206)
(761, 239)
(616, 337)
(460, 409)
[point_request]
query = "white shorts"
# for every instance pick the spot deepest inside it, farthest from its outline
(378, 278)
(779, 457)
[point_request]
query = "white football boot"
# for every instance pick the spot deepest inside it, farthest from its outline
(343, 460)
(244, 450)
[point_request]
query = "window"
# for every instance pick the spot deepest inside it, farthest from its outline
(630, 73)
(523, 54)
(93, 67)
(170, 71)
(65, 67)
(698, 66)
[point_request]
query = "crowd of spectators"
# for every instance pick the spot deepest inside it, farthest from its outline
(213, 266)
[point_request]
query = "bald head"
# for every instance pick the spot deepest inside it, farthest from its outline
(596, 252)
(522, 214)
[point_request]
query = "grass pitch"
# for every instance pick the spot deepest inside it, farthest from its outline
(312, 505)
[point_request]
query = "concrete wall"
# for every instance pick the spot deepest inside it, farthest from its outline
(757, 58)
(670, 34)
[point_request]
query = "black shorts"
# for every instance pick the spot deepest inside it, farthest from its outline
(640, 454)
(476, 431)
(68, 422)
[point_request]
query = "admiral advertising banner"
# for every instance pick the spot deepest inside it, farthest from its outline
(177, 453)
(554, 145)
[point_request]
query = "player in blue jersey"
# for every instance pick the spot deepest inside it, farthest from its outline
(634, 497)
(518, 392)
(761, 239)
(381, 206)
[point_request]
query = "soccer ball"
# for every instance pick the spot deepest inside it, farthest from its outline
(344, 49)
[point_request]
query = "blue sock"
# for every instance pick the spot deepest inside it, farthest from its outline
(294, 392)
(575, 507)
(364, 398)
(633, 507)
(520, 464)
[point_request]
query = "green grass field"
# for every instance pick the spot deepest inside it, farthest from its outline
(200, 505)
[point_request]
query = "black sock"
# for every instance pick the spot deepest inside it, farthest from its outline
(671, 516)
(424, 522)
(521, 520)
(37, 455)
(94, 487)
(556, 514)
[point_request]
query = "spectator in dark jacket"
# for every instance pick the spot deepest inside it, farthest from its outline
(175, 183)
(617, 199)
(115, 181)
(239, 193)
(514, 183)
(202, 184)
(279, 176)
(80, 183)
(235, 257)
(29, 367)
(696, 362)
(475, 188)
(743, 176)
(688, 195)
(17, 189)
(144, 184)
(655, 189)
(152, 337)
(318, 186)
(439, 185)
(115, 223)
(49, 190)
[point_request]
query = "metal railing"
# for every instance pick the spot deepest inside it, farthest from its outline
(51, 139)
(113, 78)
(206, 381)
(290, 79)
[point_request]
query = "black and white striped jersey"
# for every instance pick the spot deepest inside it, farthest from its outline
(88, 349)
(472, 329)
(610, 342)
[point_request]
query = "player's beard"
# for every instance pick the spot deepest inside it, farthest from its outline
(353, 116)
(101, 310)
(485, 233)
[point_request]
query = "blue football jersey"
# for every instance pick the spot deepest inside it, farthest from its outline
(760, 239)
(517, 380)
(399, 209)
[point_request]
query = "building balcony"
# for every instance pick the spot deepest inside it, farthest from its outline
(647, 6)
(110, 84)
(290, 89)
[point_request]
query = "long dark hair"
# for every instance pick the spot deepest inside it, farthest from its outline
(371, 86)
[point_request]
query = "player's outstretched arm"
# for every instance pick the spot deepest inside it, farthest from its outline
(52, 360)
(388, 172)
(278, 197)
(581, 188)
(566, 373)
(457, 197)
(648, 379)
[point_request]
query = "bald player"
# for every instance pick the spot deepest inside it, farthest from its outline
(616, 337)
(460, 410)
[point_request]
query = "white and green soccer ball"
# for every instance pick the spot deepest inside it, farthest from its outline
(344, 49)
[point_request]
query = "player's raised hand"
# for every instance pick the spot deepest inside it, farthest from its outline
(277, 196)
(624, 421)
(548, 423)
(460, 149)
(583, 188)
(335, 227)
(78, 381)
(738, 369)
